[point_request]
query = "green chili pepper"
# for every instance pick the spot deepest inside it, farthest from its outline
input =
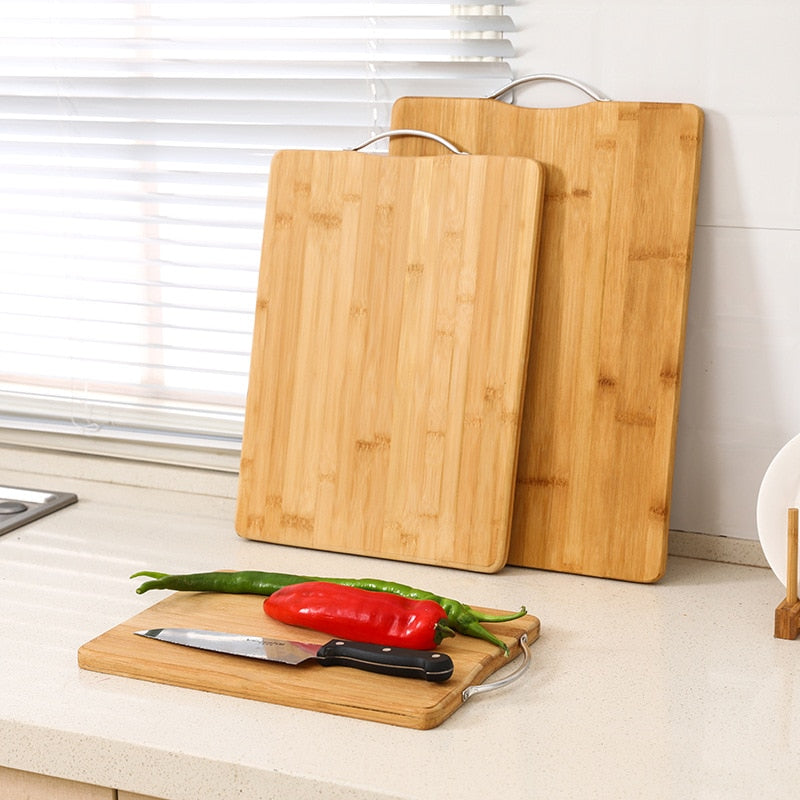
(461, 617)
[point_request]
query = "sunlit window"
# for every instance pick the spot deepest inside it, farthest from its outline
(135, 143)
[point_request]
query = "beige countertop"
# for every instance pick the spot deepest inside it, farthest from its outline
(672, 690)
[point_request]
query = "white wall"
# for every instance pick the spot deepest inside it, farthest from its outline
(740, 62)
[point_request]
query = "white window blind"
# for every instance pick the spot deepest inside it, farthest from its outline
(135, 143)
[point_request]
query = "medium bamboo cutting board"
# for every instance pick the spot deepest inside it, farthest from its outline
(405, 702)
(389, 355)
(600, 415)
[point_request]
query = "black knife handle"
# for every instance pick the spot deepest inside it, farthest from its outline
(426, 664)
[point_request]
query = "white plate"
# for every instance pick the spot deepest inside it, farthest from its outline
(780, 491)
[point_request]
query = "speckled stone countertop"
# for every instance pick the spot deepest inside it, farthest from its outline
(672, 690)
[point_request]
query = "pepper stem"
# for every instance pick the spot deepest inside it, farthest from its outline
(442, 631)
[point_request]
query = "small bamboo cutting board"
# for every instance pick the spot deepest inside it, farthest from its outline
(600, 416)
(405, 702)
(389, 355)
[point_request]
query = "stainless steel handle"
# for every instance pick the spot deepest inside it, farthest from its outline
(593, 93)
(479, 688)
(410, 132)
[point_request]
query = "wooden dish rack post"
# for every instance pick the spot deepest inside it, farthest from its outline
(787, 614)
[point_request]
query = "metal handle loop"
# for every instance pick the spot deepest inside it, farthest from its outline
(480, 688)
(593, 93)
(410, 132)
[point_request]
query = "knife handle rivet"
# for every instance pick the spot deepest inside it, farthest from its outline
(386, 649)
(436, 655)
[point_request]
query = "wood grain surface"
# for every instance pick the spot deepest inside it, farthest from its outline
(405, 702)
(390, 355)
(601, 406)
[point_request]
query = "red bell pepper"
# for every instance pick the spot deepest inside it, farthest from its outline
(360, 615)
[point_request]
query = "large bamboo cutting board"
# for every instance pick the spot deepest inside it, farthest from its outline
(596, 454)
(390, 354)
(406, 702)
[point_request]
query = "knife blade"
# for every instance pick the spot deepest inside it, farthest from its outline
(425, 664)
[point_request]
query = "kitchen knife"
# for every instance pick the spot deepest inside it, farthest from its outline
(426, 664)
